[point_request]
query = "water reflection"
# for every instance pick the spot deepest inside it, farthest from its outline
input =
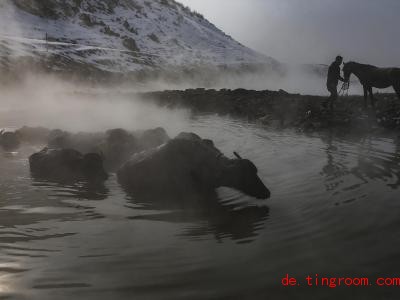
(73, 190)
(90, 241)
(352, 161)
(241, 225)
(205, 216)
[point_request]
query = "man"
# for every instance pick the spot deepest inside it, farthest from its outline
(333, 80)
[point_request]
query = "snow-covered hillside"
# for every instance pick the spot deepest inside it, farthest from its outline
(116, 35)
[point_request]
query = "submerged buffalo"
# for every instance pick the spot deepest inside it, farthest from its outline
(9, 140)
(33, 135)
(188, 164)
(84, 142)
(67, 165)
(115, 145)
(151, 138)
(119, 144)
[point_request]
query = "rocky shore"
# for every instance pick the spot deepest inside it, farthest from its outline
(279, 108)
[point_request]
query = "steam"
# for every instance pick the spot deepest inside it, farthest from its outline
(294, 81)
(41, 92)
(47, 101)
(53, 103)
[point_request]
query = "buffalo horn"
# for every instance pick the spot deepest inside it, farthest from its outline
(237, 155)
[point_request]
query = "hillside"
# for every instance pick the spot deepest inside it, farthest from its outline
(117, 36)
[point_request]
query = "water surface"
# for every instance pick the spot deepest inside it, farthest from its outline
(334, 211)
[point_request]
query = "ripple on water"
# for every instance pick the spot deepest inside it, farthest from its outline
(333, 207)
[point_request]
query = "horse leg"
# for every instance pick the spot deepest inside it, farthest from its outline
(371, 94)
(365, 96)
(397, 89)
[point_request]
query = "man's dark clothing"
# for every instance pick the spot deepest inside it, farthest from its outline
(333, 75)
(332, 81)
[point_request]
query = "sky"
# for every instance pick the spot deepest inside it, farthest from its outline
(311, 31)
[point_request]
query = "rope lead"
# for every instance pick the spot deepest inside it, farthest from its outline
(344, 91)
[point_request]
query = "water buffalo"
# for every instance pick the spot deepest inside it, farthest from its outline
(188, 164)
(59, 139)
(119, 145)
(67, 165)
(115, 145)
(151, 138)
(33, 135)
(9, 140)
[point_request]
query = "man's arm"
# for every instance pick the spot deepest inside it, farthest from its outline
(339, 76)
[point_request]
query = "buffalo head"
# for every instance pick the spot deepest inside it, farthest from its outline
(241, 174)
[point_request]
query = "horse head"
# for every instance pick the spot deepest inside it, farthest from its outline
(347, 70)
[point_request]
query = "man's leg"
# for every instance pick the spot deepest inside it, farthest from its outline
(334, 95)
(326, 102)
(329, 99)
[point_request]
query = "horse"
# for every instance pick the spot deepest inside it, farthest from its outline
(373, 77)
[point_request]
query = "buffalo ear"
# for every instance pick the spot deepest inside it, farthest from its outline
(237, 155)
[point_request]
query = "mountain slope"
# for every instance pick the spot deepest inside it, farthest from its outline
(116, 35)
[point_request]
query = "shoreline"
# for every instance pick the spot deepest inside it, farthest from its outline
(283, 109)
